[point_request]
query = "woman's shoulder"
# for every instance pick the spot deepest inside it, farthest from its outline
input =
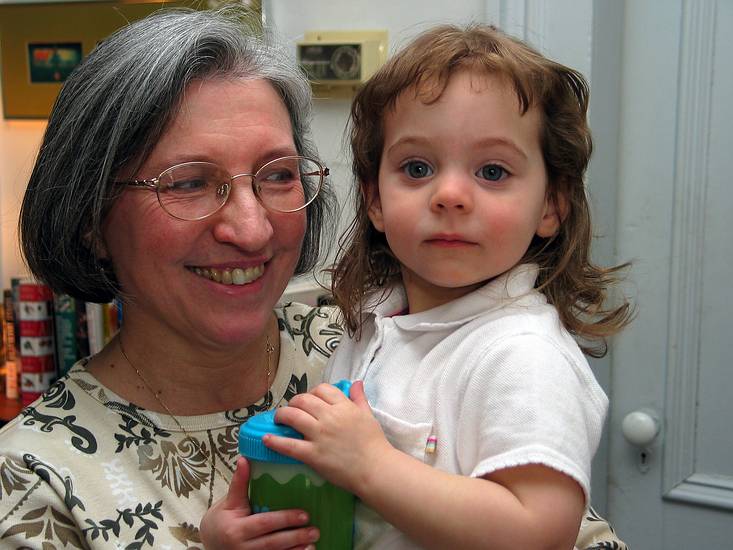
(63, 411)
(103, 471)
(52, 444)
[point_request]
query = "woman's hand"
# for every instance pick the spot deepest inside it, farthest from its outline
(230, 524)
(342, 441)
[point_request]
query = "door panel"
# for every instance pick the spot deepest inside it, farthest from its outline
(714, 442)
(676, 143)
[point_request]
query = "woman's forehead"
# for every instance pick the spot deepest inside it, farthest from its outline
(227, 116)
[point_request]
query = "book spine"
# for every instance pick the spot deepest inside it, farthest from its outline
(95, 327)
(11, 367)
(112, 320)
(120, 313)
(3, 357)
(64, 311)
(3, 374)
(15, 288)
(82, 330)
(37, 350)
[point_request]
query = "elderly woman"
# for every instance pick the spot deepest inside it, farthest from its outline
(175, 174)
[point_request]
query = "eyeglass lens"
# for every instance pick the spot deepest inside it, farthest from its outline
(194, 190)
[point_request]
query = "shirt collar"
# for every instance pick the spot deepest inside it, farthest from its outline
(510, 286)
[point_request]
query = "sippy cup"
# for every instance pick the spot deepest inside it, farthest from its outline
(278, 482)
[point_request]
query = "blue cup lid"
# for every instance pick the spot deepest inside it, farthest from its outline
(250, 438)
(251, 432)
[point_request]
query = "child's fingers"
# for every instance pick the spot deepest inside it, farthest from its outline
(309, 402)
(357, 395)
(288, 446)
(281, 529)
(236, 497)
(304, 416)
(329, 393)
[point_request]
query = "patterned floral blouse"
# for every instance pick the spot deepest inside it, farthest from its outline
(83, 468)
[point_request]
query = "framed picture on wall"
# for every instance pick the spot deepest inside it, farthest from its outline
(52, 62)
(41, 43)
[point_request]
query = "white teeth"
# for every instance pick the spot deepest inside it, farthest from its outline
(236, 276)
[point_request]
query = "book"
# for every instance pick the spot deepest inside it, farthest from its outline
(37, 350)
(11, 368)
(2, 349)
(103, 322)
(14, 287)
(95, 327)
(82, 330)
(111, 320)
(65, 331)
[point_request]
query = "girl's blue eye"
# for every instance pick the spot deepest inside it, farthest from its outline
(492, 172)
(417, 169)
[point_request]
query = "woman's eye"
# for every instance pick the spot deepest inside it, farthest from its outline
(417, 169)
(189, 184)
(277, 176)
(492, 172)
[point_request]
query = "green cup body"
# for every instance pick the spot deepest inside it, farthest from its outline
(275, 486)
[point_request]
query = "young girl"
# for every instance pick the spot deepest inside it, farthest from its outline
(464, 285)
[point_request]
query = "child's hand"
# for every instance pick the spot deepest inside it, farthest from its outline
(343, 441)
(229, 523)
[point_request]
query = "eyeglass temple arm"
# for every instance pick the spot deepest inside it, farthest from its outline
(152, 184)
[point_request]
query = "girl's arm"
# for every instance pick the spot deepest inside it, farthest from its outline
(524, 507)
(230, 524)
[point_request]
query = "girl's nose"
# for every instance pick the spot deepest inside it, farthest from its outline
(452, 192)
(243, 221)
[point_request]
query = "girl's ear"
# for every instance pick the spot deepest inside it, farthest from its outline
(554, 213)
(374, 206)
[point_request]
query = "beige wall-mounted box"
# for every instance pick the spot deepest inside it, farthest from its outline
(343, 59)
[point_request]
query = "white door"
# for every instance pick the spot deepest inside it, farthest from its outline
(675, 201)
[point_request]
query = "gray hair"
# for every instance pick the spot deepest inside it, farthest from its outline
(111, 112)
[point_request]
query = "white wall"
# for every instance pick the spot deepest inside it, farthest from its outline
(19, 141)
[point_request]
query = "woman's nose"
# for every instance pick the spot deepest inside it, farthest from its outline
(452, 192)
(243, 221)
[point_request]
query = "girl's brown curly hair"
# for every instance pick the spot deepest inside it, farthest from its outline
(569, 279)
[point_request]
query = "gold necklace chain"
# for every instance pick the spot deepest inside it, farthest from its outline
(269, 349)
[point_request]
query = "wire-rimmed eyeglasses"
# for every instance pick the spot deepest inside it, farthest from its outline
(195, 190)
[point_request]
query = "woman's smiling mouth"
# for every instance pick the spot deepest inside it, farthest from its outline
(235, 276)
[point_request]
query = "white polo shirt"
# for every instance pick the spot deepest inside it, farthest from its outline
(493, 377)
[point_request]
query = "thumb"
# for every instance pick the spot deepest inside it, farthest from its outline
(357, 395)
(236, 498)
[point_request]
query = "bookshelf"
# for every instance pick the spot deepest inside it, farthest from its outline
(104, 320)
